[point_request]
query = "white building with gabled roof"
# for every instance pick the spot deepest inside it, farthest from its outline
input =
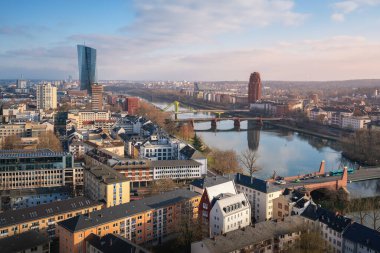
(229, 212)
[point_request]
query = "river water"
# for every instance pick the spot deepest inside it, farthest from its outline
(283, 151)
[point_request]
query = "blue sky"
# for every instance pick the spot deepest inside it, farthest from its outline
(193, 39)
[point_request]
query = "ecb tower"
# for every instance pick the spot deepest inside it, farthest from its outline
(254, 87)
(87, 67)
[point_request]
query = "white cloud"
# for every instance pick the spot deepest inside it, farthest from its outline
(339, 17)
(345, 7)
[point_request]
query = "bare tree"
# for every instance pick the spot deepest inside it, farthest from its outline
(224, 161)
(162, 185)
(248, 159)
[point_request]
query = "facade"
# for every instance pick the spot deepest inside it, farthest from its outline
(355, 123)
(361, 239)
(84, 116)
(21, 169)
(208, 196)
(254, 88)
(332, 226)
(112, 243)
(106, 185)
(176, 169)
(290, 203)
(46, 96)
(28, 242)
(142, 221)
(230, 212)
(260, 195)
(97, 97)
(45, 216)
(87, 67)
(132, 104)
(265, 237)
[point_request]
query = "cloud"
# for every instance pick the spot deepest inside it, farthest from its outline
(26, 31)
(345, 7)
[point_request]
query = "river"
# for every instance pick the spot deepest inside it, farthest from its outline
(283, 151)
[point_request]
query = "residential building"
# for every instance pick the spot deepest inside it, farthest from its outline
(97, 97)
(27, 242)
(291, 202)
(176, 169)
(24, 198)
(229, 212)
(148, 220)
(132, 104)
(331, 225)
(106, 185)
(20, 169)
(266, 236)
(87, 67)
(44, 217)
(355, 123)
(199, 185)
(80, 117)
(358, 238)
(260, 194)
(209, 195)
(46, 96)
(112, 243)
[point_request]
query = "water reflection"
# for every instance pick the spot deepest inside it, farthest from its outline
(364, 188)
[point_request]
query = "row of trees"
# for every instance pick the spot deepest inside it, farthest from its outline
(363, 146)
(228, 161)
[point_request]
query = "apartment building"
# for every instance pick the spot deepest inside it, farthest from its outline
(266, 236)
(24, 198)
(360, 239)
(111, 243)
(291, 202)
(260, 194)
(30, 241)
(106, 185)
(331, 225)
(230, 212)
(20, 169)
(355, 123)
(80, 117)
(44, 217)
(141, 221)
(176, 169)
(46, 96)
(209, 195)
(199, 185)
(97, 97)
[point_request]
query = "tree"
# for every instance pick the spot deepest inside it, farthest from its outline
(248, 159)
(10, 142)
(162, 185)
(49, 140)
(310, 241)
(197, 142)
(224, 161)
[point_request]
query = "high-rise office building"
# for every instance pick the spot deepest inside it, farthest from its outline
(87, 67)
(97, 97)
(254, 87)
(46, 96)
(21, 84)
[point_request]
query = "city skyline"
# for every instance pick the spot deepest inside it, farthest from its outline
(217, 40)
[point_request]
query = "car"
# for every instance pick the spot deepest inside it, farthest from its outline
(297, 180)
(281, 182)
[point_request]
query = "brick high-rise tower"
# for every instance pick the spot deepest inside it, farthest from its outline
(254, 87)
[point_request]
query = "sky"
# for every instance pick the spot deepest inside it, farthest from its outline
(209, 40)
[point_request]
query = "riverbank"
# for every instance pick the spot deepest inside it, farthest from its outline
(305, 131)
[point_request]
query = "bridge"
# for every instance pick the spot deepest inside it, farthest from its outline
(218, 112)
(321, 179)
(236, 120)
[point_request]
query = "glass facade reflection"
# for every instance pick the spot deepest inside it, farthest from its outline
(87, 67)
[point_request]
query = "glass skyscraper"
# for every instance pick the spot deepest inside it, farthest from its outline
(87, 67)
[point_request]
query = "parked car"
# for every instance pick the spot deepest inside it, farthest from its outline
(281, 182)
